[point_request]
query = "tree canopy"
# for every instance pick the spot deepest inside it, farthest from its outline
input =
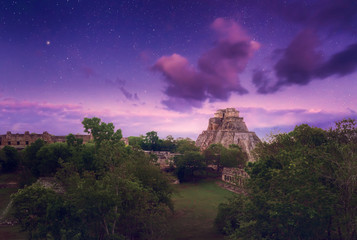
(100, 130)
(9, 159)
(111, 191)
(303, 186)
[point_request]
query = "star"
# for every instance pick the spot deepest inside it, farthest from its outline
(48, 42)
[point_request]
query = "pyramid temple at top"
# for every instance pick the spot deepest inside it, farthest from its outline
(226, 128)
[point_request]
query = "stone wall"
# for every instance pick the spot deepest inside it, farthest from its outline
(22, 140)
(234, 176)
(164, 158)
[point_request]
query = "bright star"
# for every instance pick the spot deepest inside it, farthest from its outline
(48, 42)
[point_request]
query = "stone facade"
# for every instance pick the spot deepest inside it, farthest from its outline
(226, 128)
(164, 158)
(22, 140)
(234, 176)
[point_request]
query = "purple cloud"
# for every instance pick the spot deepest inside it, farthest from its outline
(330, 15)
(297, 65)
(341, 63)
(301, 63)
(23, 116)
(261, 80)
(216, 75)
(334, 16)
(121, 85)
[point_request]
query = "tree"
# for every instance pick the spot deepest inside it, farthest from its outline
(9, 159)
(213, 155)
(30, 159)
(49, 156)
(343, 145)
(84, 158)
(151, 141)
(101, 131)
(233, 157)
(44, 214)
(220, 156)
(188, 165)
(301, 187)
(73, 141)
(112, 191)
(168, 144)
(186, 145)
(136, 142)
(231, 215)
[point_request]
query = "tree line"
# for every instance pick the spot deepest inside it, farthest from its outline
(109, 190)
(152, 142)
(303, 186)
(192, 164)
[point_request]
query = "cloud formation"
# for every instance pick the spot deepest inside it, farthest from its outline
(37, 117)
(301, 62)
(121, 85)
(216, 75)
(341, 63)
(330, 15)
(297, 65)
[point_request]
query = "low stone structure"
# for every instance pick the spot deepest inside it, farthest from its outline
(22, 140)
(164, 158)
(234, 176)
(226, 128)
(51, 183)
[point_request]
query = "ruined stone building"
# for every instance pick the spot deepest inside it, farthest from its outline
(164, 158)
(226, 128)
(22, 140)
(234, 176)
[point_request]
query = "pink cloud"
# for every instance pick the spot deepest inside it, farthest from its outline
(216, 75)
(229, 30)
(10, 105)
(62, 119)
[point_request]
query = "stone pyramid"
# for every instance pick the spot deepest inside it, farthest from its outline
(226, 128)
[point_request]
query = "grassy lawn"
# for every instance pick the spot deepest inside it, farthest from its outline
(195, 209)
(6, 192)
(5, 197)
(12, 233)
(8, 231)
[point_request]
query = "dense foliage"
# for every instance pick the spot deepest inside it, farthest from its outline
(189, 165)
(218, 155)
(152, 142)
(9, 159)
(109, 190)
(193, 164)
(303, 186)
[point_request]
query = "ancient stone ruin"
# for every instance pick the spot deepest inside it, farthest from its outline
(226, 128)
(22, 140)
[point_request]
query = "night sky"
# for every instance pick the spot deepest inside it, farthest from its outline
(169, 65)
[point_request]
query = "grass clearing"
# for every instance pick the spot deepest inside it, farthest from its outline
(196, 207)
(5, 194)
(9, 186)
(12, 232)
